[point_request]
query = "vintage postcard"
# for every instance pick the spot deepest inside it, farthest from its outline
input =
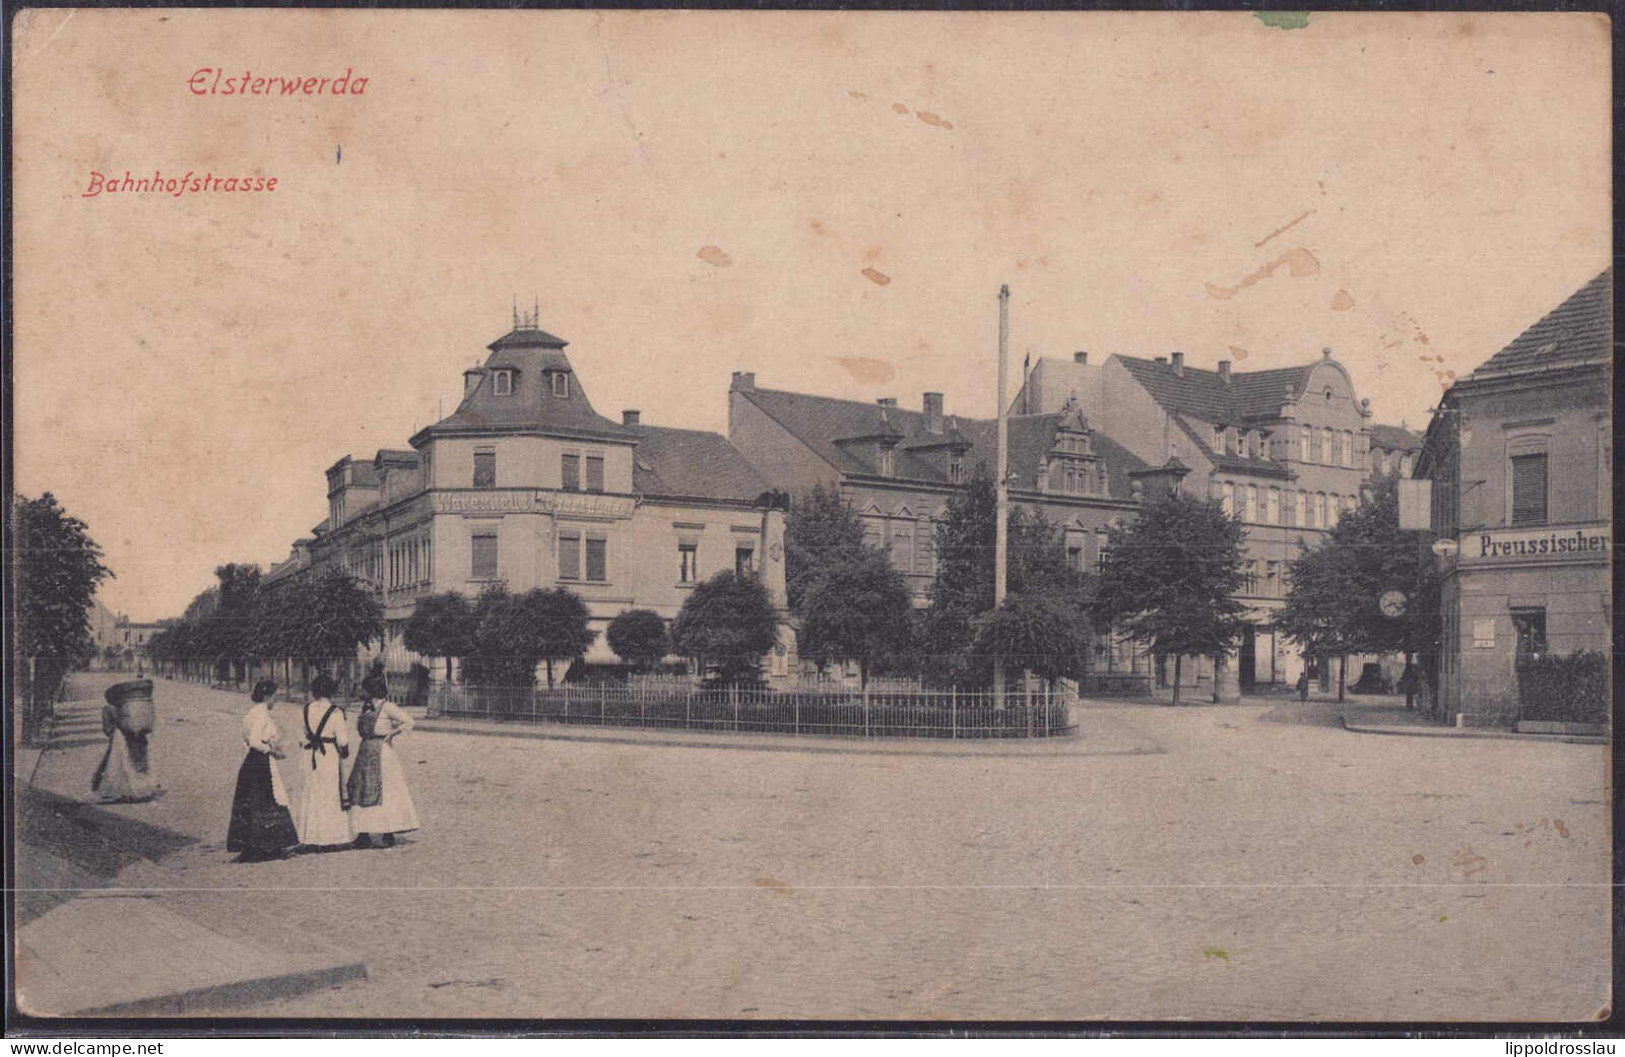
(1068, 517)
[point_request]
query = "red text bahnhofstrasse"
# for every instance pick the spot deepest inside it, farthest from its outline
(175, 186)
(210, 80)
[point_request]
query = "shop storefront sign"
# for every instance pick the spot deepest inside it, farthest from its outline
(1569, 543)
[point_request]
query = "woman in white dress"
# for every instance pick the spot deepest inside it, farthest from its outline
(380, 805)
(261, 826)
(322, 817)
(123, 776)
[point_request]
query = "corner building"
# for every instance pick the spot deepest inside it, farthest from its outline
(1520, 453)
(525, 485)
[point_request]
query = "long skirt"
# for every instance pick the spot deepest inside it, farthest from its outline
(260, 821)
(122, 775)
(321, 817)
(393, 812)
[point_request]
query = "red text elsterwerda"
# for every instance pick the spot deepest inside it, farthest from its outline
(211, 80)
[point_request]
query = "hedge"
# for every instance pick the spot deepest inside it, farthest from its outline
(1571, 689)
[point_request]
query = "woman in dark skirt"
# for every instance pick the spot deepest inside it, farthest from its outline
(261, 826)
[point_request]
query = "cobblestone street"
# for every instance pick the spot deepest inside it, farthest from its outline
(1264, 864)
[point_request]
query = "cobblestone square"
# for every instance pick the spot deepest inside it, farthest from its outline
(1251, 862)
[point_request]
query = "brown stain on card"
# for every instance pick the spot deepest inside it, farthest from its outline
(1342, 301)
(714, 255)
(1238, 352)
(931, 119)
(876, 277)
(773, 885)
(867, 370)
(1300, 263)
(900, 108)
(1284, 227)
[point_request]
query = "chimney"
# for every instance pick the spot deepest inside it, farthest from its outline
(744, 382)
(1224, 371)
(887, 401)
(933, 412)
(1179, 364)
(630, 416)
(1080, 357)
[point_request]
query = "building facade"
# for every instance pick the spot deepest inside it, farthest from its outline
(1520, 456)
(1285, 450)
(526, 486)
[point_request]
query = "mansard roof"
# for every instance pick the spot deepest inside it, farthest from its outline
(531, 406)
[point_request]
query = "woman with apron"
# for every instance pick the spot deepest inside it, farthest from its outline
(323, 816)
(380, 806)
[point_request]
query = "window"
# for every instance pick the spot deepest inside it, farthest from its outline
(1300, 509)
(570, 474)
(1273, 514)
(569, 556)
(1228, 492)
(925, 546)
(485, 469)
(1249, 576)
(1074, 557)
(1345, 452)
(888, 462)
(1406, 464)
(744, 560)
(595, 473)
(1304, 435)
(902, 547)
(597, 558)
(1272, 579)
(1252, 502)
(502, 383)
(485, 556)
(1530, 627)
(1328, 452)
(1231, 441)
(956, 469)
(688, 563)
(561, 384)
(1102, 548)
(1529, 489)
(1334, 510)
(1264, 446)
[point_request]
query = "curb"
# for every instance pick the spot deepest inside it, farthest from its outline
(1063, 745)
(1459, 733)
(233, 996)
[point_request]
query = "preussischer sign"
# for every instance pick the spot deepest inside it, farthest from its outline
(1549, 543)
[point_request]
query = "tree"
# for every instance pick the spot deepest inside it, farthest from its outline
(58, 568)
(322, 616)
(1039, 631)
(962, 592)
(230, 629)
(441, 625)
(517, 632)
(1171, 578)
(821, 533)
(857, 609)
(638, 637)
(1334, 590)
(728, 622)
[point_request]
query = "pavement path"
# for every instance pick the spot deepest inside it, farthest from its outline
(1264, 864)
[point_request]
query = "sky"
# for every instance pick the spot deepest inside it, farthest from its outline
(830, 200)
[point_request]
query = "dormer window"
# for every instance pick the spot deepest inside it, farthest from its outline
(956, 469)
(888, 462)
(561, 385)
(502, 383)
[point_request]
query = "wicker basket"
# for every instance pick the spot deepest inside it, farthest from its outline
(133, 700)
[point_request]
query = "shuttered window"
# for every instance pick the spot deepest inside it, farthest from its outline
(595, 473)
(597, 559)
(485, 469)
(571, 473)
(1529, 489)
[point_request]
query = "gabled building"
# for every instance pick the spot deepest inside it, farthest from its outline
(1394, 450)
(1286, 450)
(1520, 456)
(898, 467)
(525, 485)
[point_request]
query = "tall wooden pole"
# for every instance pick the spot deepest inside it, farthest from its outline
(1001, 530)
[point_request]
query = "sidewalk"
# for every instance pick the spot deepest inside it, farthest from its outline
(104, 923)
(1391, 719)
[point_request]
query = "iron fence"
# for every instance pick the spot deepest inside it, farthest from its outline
(1034, 711)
